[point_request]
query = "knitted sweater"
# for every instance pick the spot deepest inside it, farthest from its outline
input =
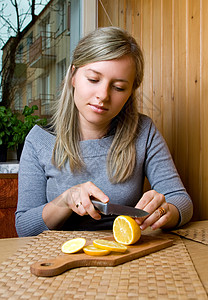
(40, 181)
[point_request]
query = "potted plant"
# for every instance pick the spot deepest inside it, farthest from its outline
(24, 124)
(7, 121)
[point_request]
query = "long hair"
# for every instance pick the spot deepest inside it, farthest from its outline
(105, 43)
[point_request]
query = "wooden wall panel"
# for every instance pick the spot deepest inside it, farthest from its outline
(147, 45)
(157, 61)
(203, 177)
(193, 82)
(173, 35)
(180, 150)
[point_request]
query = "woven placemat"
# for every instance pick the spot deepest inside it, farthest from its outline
(192, 232)
(166, 274)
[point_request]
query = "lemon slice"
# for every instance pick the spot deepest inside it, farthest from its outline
(109, 245)
(126, 230)
(94, 251)
(73, 245)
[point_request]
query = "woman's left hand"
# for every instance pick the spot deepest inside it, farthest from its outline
(161, 214)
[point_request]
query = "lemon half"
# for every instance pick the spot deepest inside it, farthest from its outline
(126, 230)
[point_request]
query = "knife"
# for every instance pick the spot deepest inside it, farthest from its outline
(117, 209)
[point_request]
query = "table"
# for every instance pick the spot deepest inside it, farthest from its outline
(199, 252)
(121, 282)
(10, 246)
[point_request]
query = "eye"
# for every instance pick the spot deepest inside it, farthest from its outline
(92, 80)
(119, 89)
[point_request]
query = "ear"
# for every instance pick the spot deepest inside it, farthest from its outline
(73, 76)
(72, 68)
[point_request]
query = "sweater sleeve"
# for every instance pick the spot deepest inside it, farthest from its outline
(31, 193)
(163, 176)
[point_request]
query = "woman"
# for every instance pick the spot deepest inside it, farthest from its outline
(100, 147)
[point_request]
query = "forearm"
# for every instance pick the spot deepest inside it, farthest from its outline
(43, 217)
(77, 199)
(55, 213)
(30, 222)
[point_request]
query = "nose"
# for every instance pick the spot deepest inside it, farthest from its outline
(103, 92)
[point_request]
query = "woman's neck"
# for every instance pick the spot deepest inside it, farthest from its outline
(92, 131)
(93, 135)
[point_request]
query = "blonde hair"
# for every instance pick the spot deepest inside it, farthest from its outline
(105, 43)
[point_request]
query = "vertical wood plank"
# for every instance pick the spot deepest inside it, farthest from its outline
(180, 83)
(147, 48)
(193, 77)
(114, 13)
(122, 14)
(203, 199)
(138, 17)
(168, 100)
(157, 63)
(137, 22)
(105, 10)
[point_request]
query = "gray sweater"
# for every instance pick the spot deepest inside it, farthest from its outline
(40, 182)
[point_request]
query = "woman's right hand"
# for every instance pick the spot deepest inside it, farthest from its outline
(77, 199)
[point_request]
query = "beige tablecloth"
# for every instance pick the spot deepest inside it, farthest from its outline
(166, 274)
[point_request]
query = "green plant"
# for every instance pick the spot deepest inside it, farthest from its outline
(7, 121)
(24, 123)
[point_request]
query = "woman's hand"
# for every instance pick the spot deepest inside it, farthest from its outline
(76, 199)
(161, 214)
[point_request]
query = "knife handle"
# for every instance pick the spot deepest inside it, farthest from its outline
(100, 206)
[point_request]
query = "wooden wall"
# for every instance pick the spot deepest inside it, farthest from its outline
(174, 37)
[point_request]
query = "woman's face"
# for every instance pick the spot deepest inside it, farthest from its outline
(100, 91)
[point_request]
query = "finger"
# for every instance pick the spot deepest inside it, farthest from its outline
(162, 220)
(81, 208)
(158, 218)
(80, 199)
(145, 199)
(150, 201)
(90, 209)
(91, 190)
(96, 193)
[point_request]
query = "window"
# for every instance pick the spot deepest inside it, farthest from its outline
(61, 71)
(44, 84)
(29, 43)
(19, 54)
(61, 16)
(45, 33)
(29, 92)
(69, 16)
(44, 93)
(18, 100)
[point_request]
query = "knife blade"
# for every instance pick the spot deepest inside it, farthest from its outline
(117, 209)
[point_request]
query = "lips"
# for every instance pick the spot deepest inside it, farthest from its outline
(98, 108)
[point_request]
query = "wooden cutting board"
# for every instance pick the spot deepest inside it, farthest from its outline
(55, 266)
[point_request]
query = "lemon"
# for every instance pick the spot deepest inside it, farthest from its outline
(94, 251)
(74, 245)
(109, 245)
(126, 230)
